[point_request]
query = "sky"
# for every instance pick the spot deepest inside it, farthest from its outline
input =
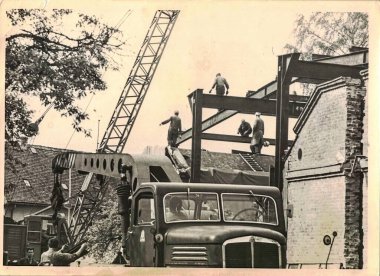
(239, 39)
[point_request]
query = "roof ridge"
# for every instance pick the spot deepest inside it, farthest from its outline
(49, 148)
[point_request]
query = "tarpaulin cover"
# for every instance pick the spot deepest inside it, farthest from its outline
(213, 175)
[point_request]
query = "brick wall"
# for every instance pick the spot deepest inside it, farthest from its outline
(364, 74)
(353, 249)
(318, 210)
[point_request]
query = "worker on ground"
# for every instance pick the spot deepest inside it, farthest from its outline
(244, 128)
(221, 85)
(28, 260)
(56, 257)
(257, 134)
(175, 128)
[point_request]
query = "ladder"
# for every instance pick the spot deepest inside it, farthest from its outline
(250, 160)
(91, 195)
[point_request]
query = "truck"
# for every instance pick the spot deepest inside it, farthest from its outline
(169, 223)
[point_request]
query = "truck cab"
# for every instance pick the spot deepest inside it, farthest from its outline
(206, 225)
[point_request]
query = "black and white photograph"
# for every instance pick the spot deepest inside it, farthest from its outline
(165, 137)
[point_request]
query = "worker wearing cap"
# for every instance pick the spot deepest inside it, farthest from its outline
(244, 128)
(221, 84)
(257, 134)
(175, 128)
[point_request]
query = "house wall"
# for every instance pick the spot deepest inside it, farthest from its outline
(324, 196)
(318, 210)
(323, 136)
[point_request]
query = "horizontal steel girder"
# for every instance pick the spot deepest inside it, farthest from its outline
(249, 105)
(321, 71)
(235, 138)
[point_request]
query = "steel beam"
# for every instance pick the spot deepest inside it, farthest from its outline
(196, 133)
(322, 71)
(282, 113)
(235, 138)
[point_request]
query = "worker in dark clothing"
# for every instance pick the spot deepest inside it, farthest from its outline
(244, 129)
(175, 128)
(28, 260)
(221, 85)
(257, 134)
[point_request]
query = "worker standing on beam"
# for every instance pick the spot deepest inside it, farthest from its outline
(244, 128)
(175, 128)
(221, 85)
(257, 134)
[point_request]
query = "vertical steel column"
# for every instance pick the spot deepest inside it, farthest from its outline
(196, 142)
(282, 119)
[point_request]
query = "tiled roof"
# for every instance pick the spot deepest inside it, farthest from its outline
(228, 161)
(35, 168)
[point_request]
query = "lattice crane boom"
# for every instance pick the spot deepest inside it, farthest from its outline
(138, 82)
(123, 119)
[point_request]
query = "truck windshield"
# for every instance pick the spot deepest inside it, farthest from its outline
(191, 207)
(249, 208)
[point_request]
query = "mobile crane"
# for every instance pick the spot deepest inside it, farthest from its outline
(123, 119)
(92, 191)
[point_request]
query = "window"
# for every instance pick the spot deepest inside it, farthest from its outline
(34, 231)
(145, 210)
(249, 208)
(191, 207)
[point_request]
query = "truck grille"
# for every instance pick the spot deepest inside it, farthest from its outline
(186, 254)
(238, 254)
(251, 252)
(266, 255)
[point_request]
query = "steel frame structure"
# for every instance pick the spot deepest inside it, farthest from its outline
(233, 104)
(123, 119)
(289, 67)
(352, 59)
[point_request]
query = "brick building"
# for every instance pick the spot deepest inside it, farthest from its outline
(326, 177)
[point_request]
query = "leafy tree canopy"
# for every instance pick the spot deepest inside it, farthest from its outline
(329, 33)
(58, 56)
(104, 236)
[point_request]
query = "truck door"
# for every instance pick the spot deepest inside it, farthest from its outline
(141, 234)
